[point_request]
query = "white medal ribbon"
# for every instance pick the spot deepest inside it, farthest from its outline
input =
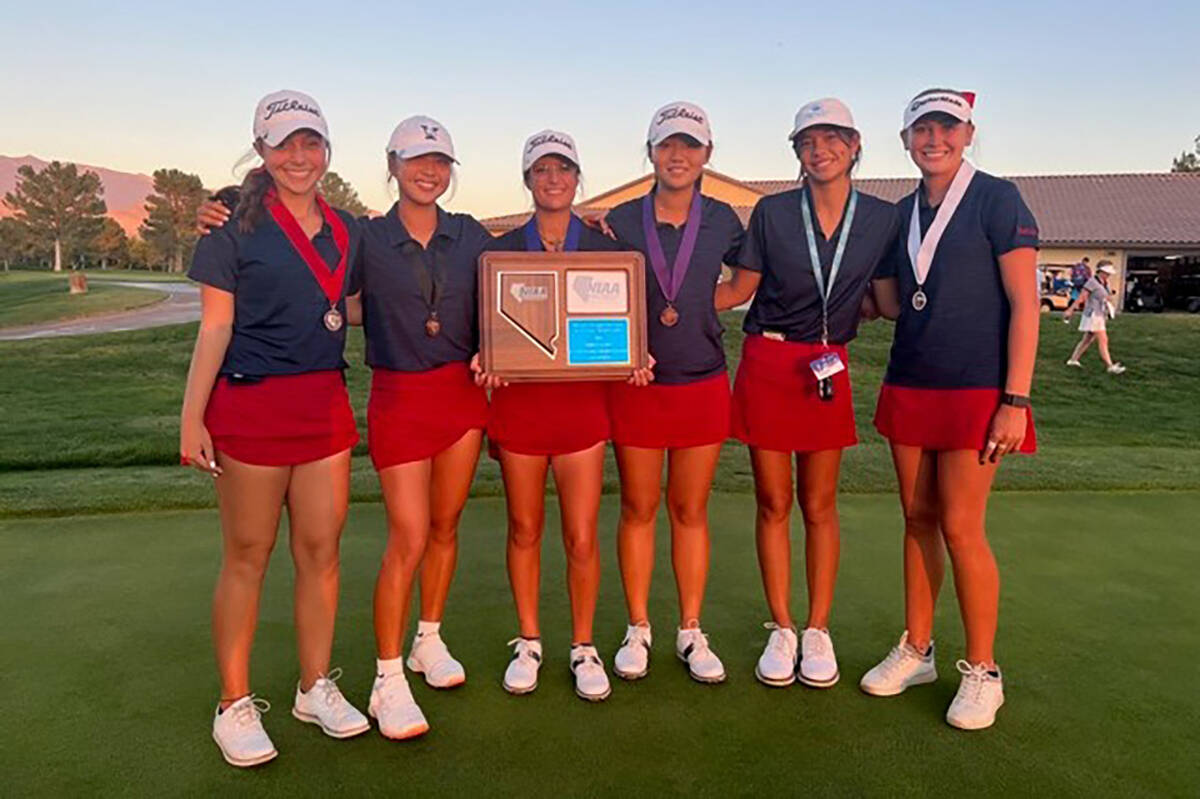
(920, 252)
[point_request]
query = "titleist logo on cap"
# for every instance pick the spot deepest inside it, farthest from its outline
(280, 106)
(679, 111)
(938, 98)
(548, 138)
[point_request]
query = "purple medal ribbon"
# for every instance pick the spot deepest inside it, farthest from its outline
(672, 282)
(533, 240)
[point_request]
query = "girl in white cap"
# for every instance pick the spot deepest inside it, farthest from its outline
(414, 292)
(1096, 301)
(955, 399)
(810, 260)
(561, 427)
(266, 413)
(682, 418)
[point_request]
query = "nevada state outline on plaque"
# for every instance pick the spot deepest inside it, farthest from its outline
(529, 301)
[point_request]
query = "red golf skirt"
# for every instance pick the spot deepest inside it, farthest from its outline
(282, 420)
(670, 416)
(415, 415)
(549, 418)
(943, 419)
(775, 400)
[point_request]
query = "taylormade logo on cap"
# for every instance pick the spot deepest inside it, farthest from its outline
(418, 136)
(679, 118)
(548, 142)
(280, 114)
(957, 104)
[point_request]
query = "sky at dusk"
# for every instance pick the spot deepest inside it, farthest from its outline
(1063, 87)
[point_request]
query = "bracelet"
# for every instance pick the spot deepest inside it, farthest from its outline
(1016, 400)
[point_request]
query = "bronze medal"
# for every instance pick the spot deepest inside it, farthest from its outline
(333, 320)
(432, 326)
(919, 300)
(669, 316)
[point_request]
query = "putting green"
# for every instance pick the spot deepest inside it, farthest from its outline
(109, 683)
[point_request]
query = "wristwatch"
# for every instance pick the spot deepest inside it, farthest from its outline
(1016, 400)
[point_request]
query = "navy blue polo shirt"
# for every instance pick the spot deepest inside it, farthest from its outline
(691, 350)
(788, 300)
(590, 240)
(279, 308)
(960, 339)
(394, 307)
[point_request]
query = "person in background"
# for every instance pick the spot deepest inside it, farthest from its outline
(1096, 301)
(1081, 273)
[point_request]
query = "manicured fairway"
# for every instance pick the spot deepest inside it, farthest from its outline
(108, 680)
(28, 298)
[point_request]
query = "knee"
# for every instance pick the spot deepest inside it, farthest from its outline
(819, 508)
(963, 531)
(774, 507)
(921, 521)
(444, 531)
(580, 547)
(316, 555)
(639, 511)
(687, 514)
(525, 532)
(248, 559)
(403, 554)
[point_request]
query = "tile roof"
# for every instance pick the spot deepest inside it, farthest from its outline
(1154, 209)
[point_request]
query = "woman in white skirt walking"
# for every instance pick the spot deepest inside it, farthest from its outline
(1097, 305)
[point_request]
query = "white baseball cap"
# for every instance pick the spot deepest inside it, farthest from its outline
(826, 111)
(957, 104)
(280, 114)
(548, 142)
(680, 117)
(418, 136)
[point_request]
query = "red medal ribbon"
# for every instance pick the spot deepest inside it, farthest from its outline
(331, 282)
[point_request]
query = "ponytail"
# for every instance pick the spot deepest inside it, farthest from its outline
(249, 211)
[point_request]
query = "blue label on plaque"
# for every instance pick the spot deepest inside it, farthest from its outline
(598, 341)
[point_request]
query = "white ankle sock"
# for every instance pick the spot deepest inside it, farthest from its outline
(426, 627)
(391, 666)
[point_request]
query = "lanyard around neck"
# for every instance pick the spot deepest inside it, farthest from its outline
(825, 291)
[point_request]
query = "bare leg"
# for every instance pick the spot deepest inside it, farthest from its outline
(772, 529)
(406, 499)
(924, 556)
(816, 488)
(689, 480)
(450, 483)
(579, 477)
(317, 498)
(641, 489)
(1102, 342)
(525, 490)
(250, 500)
(1082, 346)
(963, 487)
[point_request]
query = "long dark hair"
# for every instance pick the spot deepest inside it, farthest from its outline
(250, 211)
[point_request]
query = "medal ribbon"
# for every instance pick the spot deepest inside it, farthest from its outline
(825, 291)
(331, 282)
(671, 283)
(533, 240)
(920, 252)
(429, 278)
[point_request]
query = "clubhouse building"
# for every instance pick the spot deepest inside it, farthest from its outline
(1146, 224)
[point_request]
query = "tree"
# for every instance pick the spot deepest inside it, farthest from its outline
(1188, 162)
(111, 245)
(13, 245)
(340, 194)
(170, 226)
(57, 208)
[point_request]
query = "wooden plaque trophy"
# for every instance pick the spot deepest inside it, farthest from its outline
(562, 315)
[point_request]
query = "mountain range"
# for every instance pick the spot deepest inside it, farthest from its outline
(124, 192)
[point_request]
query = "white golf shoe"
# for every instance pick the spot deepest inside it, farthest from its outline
(903, 668)
(239, 733)
(324, 705)
(591, 681)
(777, 664)
(430, 657)
(521, 676)
(632, 661)
(818, 663)
(980, 695)
(393, 706)
(691, 645)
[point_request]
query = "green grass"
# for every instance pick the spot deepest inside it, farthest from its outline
(109, 682)
(79, 411)
(29, 298)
